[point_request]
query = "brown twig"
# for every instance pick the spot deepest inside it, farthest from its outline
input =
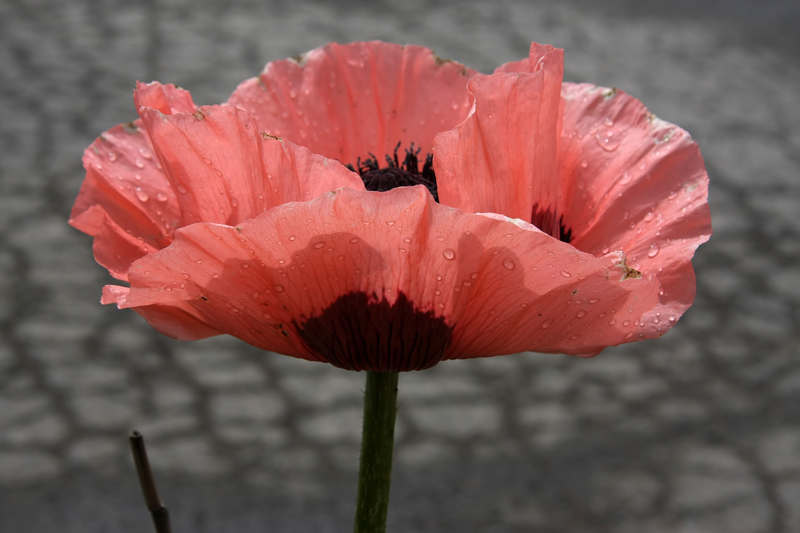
(157, 509)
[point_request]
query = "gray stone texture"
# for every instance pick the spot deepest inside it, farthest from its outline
(696, 432)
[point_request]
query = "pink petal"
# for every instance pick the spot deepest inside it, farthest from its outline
(212, 159)
(347, 261)
(125, 202)
(635, 183)
(502, 158)
(347, 101)
(166, 99)
(176, 319)
(223, 170)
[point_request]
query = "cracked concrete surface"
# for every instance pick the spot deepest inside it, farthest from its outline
(698, 431)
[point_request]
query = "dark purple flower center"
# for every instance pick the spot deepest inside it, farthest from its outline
(397, 173)
(545, 220)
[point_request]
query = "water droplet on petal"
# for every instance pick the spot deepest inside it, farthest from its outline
(318, 245)
(593, 300)
(354, 240)
(509, 264)
(112, 156)
(139, 163)
(215, 275)
(628, 335)
(584, 163)
(608, 122)
(626, 323)
(449, 254)
(547, 323)
(440, 238)
(653, 251)
(278, 288)
(390, 222)
(161, 197)
(607, 142)
(141, 195)
(292, 237)
(182, 188)
(566, 274)
(581, 313)
(672, 318)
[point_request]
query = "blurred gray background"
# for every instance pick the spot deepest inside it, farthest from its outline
(696, 432)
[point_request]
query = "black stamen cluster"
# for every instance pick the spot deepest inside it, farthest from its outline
(397, 174)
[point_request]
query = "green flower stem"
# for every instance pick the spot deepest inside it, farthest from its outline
(377, 444)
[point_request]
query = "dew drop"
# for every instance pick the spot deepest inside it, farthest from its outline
(245, 265)
(440, 238)
(254, 295)
(566, 274)
(593, 300)
(509, 264)
(354, 240)
(318, 245)
(612, 321)
(626, 323)
(581, 313)
(607, 142)
(199, 261)
(438, 277)
(139, 163)
(278, 288)
(112, 156)
(547, 323)
(147, 154)
(474, 275)
(407, 240)
(608, 122)
(390, 222)
(292, 237)
(182, 188)
(628, 335)
(141, 195)
(449, 254)
(672, 318)
(584, 163)
(215, 275)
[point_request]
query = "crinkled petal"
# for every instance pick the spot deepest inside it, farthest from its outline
(347, 101)
(125, 202)
(384, 281)
(223, 170)
(503, 157)
(635, 183)
(174, 319)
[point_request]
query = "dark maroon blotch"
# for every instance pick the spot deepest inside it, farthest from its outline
(357, 332)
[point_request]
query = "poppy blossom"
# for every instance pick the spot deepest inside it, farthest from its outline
(546, 216)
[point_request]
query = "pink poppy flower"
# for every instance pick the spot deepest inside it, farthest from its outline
(566, 219)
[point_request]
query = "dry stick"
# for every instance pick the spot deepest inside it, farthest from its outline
(157, 509)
